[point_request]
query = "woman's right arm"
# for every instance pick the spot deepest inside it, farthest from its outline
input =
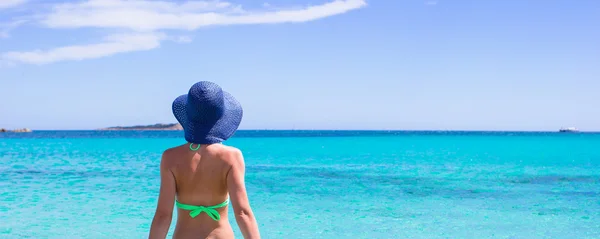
(239, 198)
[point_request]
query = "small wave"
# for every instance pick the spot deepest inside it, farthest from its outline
(553, 179)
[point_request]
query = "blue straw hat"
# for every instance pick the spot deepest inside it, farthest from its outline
(207, 114)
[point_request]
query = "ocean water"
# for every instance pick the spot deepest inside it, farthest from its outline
(315, 184)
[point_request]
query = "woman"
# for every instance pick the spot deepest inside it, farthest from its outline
(203, 172)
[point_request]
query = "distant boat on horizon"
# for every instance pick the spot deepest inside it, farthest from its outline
(568, 129)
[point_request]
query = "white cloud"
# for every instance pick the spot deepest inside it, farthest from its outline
(141, 15)
(11, 3)
(112, 44)
(431, 3)
(145, 18)
(302, 15)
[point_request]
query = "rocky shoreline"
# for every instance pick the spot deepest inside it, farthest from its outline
(23, 130)
(176, 126)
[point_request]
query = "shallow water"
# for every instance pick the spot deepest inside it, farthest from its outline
(316, 184)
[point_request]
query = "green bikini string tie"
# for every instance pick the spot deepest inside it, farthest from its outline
(194, 149)
(196, 210)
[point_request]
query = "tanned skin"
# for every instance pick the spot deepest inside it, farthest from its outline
(204, 177)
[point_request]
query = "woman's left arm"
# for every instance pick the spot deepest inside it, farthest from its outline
(166, 199)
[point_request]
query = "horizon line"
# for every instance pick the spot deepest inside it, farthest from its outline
(371, 130)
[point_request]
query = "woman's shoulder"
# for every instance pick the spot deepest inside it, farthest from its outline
(227, 151)
(169, 156)
(229, 154)
(173, 150)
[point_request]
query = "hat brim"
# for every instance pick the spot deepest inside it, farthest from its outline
(222, 130)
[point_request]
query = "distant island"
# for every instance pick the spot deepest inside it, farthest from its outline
(147, 127)
(23, 130)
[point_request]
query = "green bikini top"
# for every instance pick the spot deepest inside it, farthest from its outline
(209, 210)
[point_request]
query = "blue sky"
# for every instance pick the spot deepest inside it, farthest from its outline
(304, 64)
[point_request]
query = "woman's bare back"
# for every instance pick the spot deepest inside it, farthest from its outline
(208, 176)
(201, 179)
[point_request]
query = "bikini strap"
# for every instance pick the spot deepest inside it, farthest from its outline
(194, 149)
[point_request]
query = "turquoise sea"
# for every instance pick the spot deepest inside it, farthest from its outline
(316, 184)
